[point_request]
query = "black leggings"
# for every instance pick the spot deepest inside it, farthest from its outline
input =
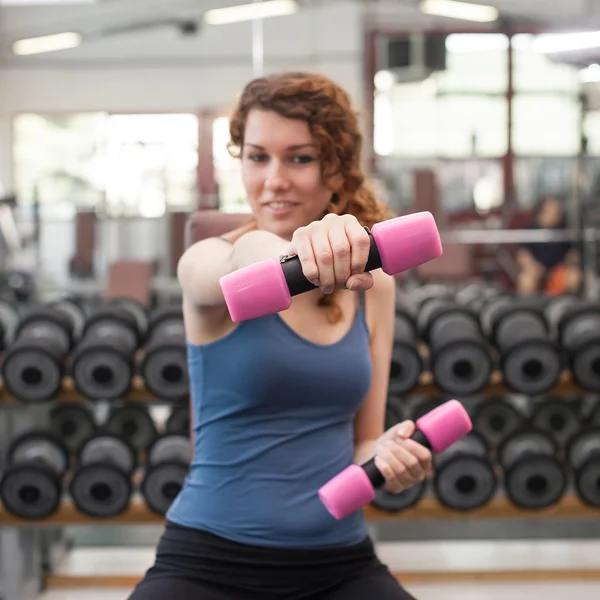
(194, 565)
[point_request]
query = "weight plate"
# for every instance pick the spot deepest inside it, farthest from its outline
(40, 448)
(165, 373)
(472, 444)
(135, 309)
(9, 317)
(557, 418)
(462, 368)
(584, 445)
(169, 448)
(394, 412)
(110, 450)
(398, 502)
(179, 421)
(587, 481)
(102, 375)
(75, 313)
(100, 490)
(585, 366)
(495, 420)
(134, 424)
(31, 375)
(465, 482)
(405, 369)
(30, 492)
(532, 368)
(535, 482)
(525, 442)
(161, 485)
(73, 423)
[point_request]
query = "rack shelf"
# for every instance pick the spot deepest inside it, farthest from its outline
(426, 387)
(428, 509)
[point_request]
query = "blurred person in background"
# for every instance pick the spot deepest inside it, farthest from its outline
(549, 267)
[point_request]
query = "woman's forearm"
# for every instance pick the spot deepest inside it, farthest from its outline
(364, 451)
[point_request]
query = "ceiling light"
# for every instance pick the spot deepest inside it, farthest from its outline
(46, 43)
(459, 10)
(591, 74)
(476, 42)
(250, 12)
(565, 42)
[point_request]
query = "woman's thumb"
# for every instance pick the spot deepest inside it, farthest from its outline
(405, 429)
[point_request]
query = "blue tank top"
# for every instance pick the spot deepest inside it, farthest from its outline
(273, 420)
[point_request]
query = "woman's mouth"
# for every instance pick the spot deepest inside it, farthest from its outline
(280, 208)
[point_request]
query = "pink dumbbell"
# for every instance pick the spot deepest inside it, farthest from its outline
(267, 287)
(355, 486)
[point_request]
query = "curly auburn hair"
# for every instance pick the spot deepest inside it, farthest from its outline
(326, 108)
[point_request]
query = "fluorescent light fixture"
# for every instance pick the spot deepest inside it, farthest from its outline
(565, 42)
(46, 43)
(250, 12)
(591, 74)
(465, 43)
(460, 10)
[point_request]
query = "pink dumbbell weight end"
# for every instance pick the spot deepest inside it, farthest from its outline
(355, 486)
(267, 287)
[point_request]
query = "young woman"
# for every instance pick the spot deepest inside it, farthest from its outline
(283, 403)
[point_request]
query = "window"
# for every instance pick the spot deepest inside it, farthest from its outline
(232, 196)
(137, 165)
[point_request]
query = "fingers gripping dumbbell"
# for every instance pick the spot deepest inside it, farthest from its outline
(533, 477)
(34, 365)
(460, 361)
(576, 323)
(530, 359)
(167, 466)
(556, 417)
(268, 286)
(134, 424)
(103, 361)
(495, 420)
(164, 367)
(355, 486)
(101, 484)
(31, 486)
(73, 424)
(584, 457)
(464, 474)
(407, 365)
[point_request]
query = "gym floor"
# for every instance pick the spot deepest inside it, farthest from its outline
(444, 560)
(445, 591)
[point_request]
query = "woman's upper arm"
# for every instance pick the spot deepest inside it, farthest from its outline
(381, 313)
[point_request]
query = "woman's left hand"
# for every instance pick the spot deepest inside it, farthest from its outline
(402, 461)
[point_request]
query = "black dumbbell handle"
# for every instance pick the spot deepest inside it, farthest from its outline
(374, 474)
(298, 284)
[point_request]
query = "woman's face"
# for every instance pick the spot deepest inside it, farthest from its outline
(550, 214)
(281, 171)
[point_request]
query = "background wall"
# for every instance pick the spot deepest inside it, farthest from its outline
(161, 71)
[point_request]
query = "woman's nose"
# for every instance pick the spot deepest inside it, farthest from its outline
(276, 178)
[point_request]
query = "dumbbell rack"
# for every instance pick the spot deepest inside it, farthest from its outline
(25, 545)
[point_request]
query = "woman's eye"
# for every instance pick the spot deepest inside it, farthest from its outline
(303, 159)
(257, 157)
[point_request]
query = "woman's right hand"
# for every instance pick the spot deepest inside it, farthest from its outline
(333, 253)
